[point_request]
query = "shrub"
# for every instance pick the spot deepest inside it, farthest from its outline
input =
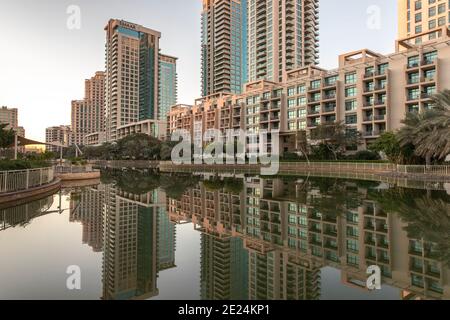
(366, 155)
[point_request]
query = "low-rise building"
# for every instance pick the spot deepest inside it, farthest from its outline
(57, 136)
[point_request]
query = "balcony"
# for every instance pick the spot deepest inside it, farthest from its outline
(427, 62)
(331, 108)
(329, 96)
(412, 65)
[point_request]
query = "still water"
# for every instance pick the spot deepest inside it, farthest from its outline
(141, 236)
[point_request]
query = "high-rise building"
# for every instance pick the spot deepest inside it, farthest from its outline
(133, 78)
(282, 35)
(59, 136)
(88, 114)
(166, 240)
(86, 207)
(130, 256)
(224, 268)
(167, 85)
(420, 16)
(224, 46)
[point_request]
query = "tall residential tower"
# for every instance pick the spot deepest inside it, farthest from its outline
(282, 36)
(88, 114)
(134, 81)
(224, 46)
(167, 86)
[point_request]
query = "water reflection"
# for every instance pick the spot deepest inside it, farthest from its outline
(261, 238)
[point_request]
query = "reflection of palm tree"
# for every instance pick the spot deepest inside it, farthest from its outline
(428, 216)
(335, 196)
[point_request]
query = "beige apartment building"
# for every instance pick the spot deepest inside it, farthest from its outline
(418, 16)
(9, 116)
(88, 114)
(369, 92)
(57, 136)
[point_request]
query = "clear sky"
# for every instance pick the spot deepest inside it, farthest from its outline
(43, 63)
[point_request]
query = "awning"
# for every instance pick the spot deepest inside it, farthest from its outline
(22, 141)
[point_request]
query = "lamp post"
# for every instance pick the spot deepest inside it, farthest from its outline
(15, 144)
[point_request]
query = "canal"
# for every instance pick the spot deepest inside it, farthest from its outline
(143, 236)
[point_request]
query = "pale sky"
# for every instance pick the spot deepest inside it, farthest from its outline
(43, 63)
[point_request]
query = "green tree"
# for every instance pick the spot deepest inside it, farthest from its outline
(7, 136)
(389, 144)
(335, 137)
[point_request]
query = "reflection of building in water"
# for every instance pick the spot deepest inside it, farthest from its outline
(277, 275)
(224, 268)
(86, 207)
(22, 215)
(131, 258)
(166, 240)
(293, 228)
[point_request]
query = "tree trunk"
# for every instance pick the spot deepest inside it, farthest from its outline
(428, 160)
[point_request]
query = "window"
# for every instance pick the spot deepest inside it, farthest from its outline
(418, 5)
(418, 17)
(350, 92)
(291, 114)
(350, 105)
(291, 92)
(430, 57)
(301, 89)
(413, 61)
(350, 78)
(291, 103)
(302, 101)
(352, 260)
(315, 84)
(351, 119)
(413, 78)
(352, 245)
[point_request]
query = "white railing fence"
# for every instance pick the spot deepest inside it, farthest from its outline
(73, 169)
(427, 170)
(18, 180)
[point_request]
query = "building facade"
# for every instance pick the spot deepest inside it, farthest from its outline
(88, 114)
(369, 92)
(9, 116)
(282, 36)
(57, 136)
(418, 16)
(168, 85)
(133, 76)
(224, 46)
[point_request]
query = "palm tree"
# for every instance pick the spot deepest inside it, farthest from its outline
(429, 131)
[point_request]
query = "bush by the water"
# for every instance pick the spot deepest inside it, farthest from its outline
(9, 165)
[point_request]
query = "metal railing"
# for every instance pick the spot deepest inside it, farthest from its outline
(73, 169)
(424, 170)
(19, 180)
(286, 167)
